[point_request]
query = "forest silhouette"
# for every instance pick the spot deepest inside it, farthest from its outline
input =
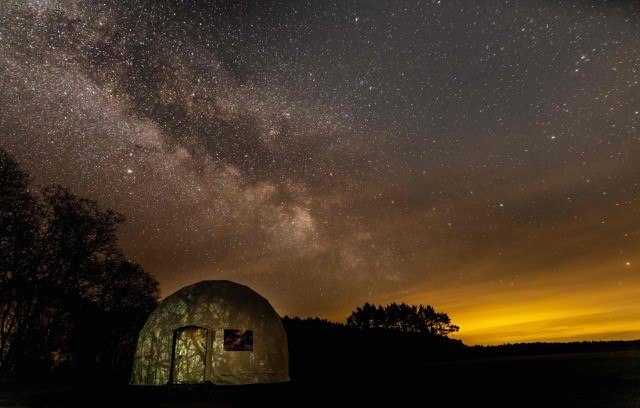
(70, 301)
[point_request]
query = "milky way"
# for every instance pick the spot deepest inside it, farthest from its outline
(478, 156)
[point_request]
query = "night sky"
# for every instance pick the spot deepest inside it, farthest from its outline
(482, 157)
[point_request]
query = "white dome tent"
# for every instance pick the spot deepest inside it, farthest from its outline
(212, 331)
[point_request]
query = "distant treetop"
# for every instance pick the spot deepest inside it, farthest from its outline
(402, 317)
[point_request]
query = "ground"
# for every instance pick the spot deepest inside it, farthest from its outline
(610, 379)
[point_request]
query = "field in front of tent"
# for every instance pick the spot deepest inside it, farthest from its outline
(593, 379)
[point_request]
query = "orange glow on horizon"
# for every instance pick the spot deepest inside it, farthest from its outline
(575, 306)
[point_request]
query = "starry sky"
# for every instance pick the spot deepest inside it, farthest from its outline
(482, 157)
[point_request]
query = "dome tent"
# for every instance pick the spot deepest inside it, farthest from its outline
(212, 331)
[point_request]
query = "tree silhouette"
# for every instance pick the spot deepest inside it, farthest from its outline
(68, 296)
(402, 317)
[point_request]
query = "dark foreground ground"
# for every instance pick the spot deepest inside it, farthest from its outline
(607, 379)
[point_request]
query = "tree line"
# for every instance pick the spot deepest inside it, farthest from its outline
(394, 317)
(321, 349)
(69, 298)
(402, 317)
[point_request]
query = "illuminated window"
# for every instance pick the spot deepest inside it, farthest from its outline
(238, 340)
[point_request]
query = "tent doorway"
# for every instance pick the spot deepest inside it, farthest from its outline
(188, 363)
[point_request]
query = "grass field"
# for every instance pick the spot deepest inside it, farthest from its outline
(610, 379)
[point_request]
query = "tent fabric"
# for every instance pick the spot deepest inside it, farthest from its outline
(190, 325)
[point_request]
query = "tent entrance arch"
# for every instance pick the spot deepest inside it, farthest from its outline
(189, 356)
